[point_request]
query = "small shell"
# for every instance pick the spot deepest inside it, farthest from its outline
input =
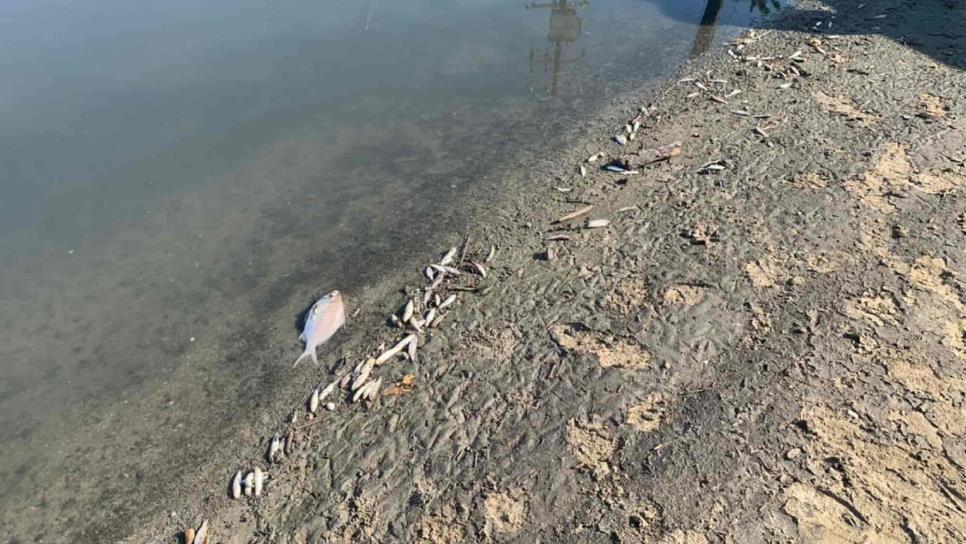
(236, 489)
(407, 311)
(363, 374)
(448, 257)
(597, 223)
(314, 401)
(259, 478)
(583, 170)
(413, 345)
(449, 300)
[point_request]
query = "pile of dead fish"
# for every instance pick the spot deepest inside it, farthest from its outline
(424, 308)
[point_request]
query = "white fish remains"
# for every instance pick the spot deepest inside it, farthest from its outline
(325, 317)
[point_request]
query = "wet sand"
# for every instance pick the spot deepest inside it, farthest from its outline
(766, 343)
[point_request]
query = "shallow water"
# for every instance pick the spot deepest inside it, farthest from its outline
(180, 179)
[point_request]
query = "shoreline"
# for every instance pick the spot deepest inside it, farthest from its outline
(498, 382)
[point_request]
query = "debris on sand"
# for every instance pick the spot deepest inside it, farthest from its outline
(574, 214)
(662, 153)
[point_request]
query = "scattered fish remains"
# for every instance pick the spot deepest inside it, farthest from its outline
(325, 317)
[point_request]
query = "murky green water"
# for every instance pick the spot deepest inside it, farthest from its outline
(179, 179)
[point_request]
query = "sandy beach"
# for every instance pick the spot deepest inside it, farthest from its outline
(755, 332)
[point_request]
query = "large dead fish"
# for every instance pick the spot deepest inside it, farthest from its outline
(325, 317)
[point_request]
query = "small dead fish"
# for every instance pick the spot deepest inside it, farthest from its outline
(447, 269)
(189, 535)
(490, 255)
(741, 113)
(430, 316)
(274, 449)
(202, 535)
(621, 139)
(363, 374)
(574, 214)
(236, 486)
(407, 312)
(597, 223)
(314, 401)
(558, 238)
(549, 254)
(563, 189)
(717, 99)
(325, 317)
(699, 85)
(330, 406)
(733, 93)
(480, 269)
(345, 381)
(618, 169)
(329, 389)
(583, 171)
(449, 300)
(411, 349)
(372, 390)
(428, 271)
(259, 480)
(635, 126)
(628, 209)
(359, 393)
(448, 257)
(395, 350)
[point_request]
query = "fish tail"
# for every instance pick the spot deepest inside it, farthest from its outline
(297, 361)
(315, 357)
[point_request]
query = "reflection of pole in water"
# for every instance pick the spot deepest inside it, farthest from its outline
(709, 21)
(372, 7)
(565, 27)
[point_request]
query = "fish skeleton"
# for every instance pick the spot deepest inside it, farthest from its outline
(325, 317)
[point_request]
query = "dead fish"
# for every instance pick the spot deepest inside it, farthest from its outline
(563, 189)
(448, 257)
(628, 209)
(363, 374)
(328, 390)
(621, 139)
(490, 255)
(558, 238)
(583, 171)
(619, 169)
(359, 393)
(291, 439)
(574, 214)
(407, 312)
(428, 271)
(345, 381)
(314, 401)
(597, 223)
(189, 535)
(371, 391)
(549, 254)
(430, 316)
(447, 269)
(274, 449)
(411, 349)
(449, 300)
(480, 269)
(236, 488)
(202, 535)
(325, 317)
(393, 351)
(259, 480)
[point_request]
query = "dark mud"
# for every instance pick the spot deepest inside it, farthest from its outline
(771, 351)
